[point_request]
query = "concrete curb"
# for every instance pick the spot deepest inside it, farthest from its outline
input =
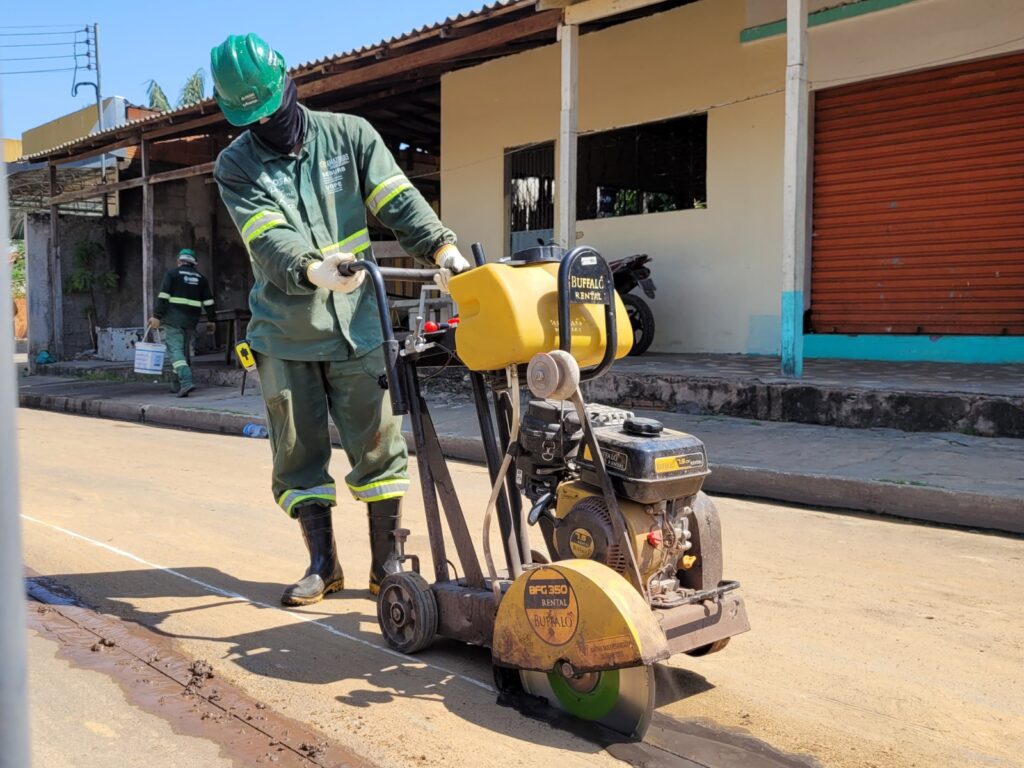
(913, 502)
(823, 405)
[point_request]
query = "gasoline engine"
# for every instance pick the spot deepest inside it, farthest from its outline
(656, 474)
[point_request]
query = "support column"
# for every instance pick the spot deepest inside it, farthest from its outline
(147, 237)
(794, 194)
(566, 235)
(53, 263)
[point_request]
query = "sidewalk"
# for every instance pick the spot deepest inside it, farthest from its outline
(939, 477)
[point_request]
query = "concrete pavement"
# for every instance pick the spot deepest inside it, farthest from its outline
(948, 478)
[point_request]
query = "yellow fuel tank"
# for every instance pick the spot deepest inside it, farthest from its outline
(508, 314)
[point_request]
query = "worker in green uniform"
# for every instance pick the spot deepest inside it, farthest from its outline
(184, 294)
(298, 185)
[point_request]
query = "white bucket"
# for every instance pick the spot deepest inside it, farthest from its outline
(149, 357)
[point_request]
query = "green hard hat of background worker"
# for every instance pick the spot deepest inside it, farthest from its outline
(248, 78)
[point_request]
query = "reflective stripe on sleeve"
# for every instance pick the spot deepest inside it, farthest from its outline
(163, 295)
(260, 223)
(382, 489)
(186, 302)
(384, 192)
(289, 499)
(208, 303)
(356, 243)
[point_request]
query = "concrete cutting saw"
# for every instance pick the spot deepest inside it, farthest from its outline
(631, 568)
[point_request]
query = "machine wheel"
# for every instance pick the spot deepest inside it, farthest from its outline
(619, 699)
(407, 612)
(714, 647)
(642, 320)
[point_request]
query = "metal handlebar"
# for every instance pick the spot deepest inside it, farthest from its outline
(564, 327)
(396, 388)
(349, 268)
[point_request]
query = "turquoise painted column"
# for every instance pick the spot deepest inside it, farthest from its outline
(794, 190)
(793, 333)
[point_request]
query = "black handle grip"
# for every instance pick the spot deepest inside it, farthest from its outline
(349, 268)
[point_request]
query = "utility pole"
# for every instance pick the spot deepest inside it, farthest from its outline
(14, 751)
(94, 56)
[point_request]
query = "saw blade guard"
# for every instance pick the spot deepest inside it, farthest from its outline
(575, 612)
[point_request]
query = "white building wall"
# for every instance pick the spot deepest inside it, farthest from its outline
(718, 270)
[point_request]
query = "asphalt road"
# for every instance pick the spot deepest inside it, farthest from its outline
(874, 643)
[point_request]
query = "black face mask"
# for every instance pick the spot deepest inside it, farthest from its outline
(286, 127)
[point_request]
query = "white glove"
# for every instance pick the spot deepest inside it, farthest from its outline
(451, 263)
(325, 274)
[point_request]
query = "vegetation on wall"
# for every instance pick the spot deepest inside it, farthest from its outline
(91, 276)
(18, 269)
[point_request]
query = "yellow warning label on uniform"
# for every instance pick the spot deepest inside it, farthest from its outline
(551, 607)
(581, 543)
(680, 462)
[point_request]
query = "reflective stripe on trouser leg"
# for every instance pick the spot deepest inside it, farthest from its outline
(177, 340)
(370, 433)
(290, 499)
(381, 490)
(295, 397)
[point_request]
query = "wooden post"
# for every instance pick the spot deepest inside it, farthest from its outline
(147, 237)
(53, 268)
(794, 192)
(566, 233)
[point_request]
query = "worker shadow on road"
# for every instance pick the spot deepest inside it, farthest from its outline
(333, 643)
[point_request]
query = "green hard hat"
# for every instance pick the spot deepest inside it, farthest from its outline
(187, 254)
(248, 78)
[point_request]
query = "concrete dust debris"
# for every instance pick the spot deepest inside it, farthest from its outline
(200, 671)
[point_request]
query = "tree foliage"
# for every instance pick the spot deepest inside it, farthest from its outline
(194, 89)
(157, 97)
(18, 268)
(192, 92)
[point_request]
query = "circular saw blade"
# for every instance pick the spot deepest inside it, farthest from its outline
(619, 699)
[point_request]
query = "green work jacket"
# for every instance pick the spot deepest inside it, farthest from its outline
(184, 294)
(293, 209)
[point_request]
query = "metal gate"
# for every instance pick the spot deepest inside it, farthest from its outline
(918, 215)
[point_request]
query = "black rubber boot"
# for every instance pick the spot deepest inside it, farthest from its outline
(324, 573)
(385, 517)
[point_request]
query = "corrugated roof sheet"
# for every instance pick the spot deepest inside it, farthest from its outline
(209, 106)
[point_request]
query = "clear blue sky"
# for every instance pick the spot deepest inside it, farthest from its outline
(167, 41)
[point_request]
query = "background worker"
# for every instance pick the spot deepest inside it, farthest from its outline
(184, 294)
(298, 185)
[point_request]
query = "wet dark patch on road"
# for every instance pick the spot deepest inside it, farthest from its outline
(186, 693)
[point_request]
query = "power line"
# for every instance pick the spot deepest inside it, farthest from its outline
(37, 45)
(39, 26)
(39, 34)
(36, 71)
(40, 58)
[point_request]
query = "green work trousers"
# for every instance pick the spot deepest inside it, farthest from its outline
(299, 396)
(177, 340)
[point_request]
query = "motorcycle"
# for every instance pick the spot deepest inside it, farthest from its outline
(629, 273)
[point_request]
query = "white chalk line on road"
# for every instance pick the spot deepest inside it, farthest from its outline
(235, 596)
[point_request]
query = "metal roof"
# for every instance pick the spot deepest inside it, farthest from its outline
(307, 69)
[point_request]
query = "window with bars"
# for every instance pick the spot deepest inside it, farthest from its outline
(646, 168)
(530, 175)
